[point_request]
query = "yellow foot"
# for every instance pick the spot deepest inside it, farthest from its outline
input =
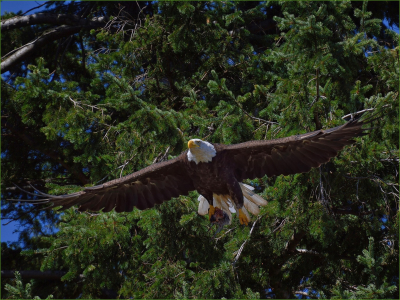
(211, 211)
(242, 218)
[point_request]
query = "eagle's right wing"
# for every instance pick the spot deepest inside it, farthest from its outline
(143, 189)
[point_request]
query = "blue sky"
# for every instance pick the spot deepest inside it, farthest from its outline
(15, 6)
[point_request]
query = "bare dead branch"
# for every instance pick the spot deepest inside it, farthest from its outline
(124, 165)
(357, 113)
(35, 8)
(360, 112)
(23, 52)
(239, 252)
(302, 293)
(55, 19)
(261, 120)
(317, 121)
(305, 251)
(294, 241)
(225, 233)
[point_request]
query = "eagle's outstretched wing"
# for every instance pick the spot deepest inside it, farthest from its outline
(294, 154)
(143, 189)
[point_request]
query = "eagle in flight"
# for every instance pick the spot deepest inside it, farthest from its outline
(216, 171)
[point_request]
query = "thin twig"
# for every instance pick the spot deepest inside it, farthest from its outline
(244, 243)
(61, 248)
(125, 163)
(225, 233)
(357, 113)
(259, 119)
(35, 8)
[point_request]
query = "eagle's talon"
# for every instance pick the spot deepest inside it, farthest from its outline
(243, 218)
(211, 211)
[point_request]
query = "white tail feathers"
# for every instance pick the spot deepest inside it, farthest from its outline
(203, 206)
(221, 201)
(251, 196)
(250, 206)
(251, 202)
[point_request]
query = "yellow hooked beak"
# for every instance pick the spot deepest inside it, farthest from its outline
(192, 144)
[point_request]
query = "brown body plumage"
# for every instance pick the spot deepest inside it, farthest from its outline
(230, 165)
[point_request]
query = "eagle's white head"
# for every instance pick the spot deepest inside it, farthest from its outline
(200, 151)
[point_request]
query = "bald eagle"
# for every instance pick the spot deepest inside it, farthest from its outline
(216, 171)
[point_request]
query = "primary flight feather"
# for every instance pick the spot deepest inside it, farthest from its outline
(216, 172)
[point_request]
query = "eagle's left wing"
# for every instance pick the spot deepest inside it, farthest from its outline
(294, 154)
(143, 189)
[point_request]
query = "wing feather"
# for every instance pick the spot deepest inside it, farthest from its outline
(271, 169)
(141, 203)
(148, 196)
(120, 205)
(142, 189)
(109, 205)
(158, 198)
(294, 154)
(132, 198)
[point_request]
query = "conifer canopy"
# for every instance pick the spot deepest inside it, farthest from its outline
(94, 91)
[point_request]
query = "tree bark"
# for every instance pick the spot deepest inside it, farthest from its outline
(56, 19)
(47, 37)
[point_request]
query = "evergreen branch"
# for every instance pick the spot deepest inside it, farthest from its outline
(24, 136)
(315, 253)
(219, 126)
(351, 212)
(51, 275)
(37, 44)
(254, 118)
(36, 274)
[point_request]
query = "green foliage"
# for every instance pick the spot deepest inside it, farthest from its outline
(19, 291)
(206, 70)
(376, 287)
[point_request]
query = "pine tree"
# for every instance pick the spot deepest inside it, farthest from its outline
(225, 72)
(20, 291)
